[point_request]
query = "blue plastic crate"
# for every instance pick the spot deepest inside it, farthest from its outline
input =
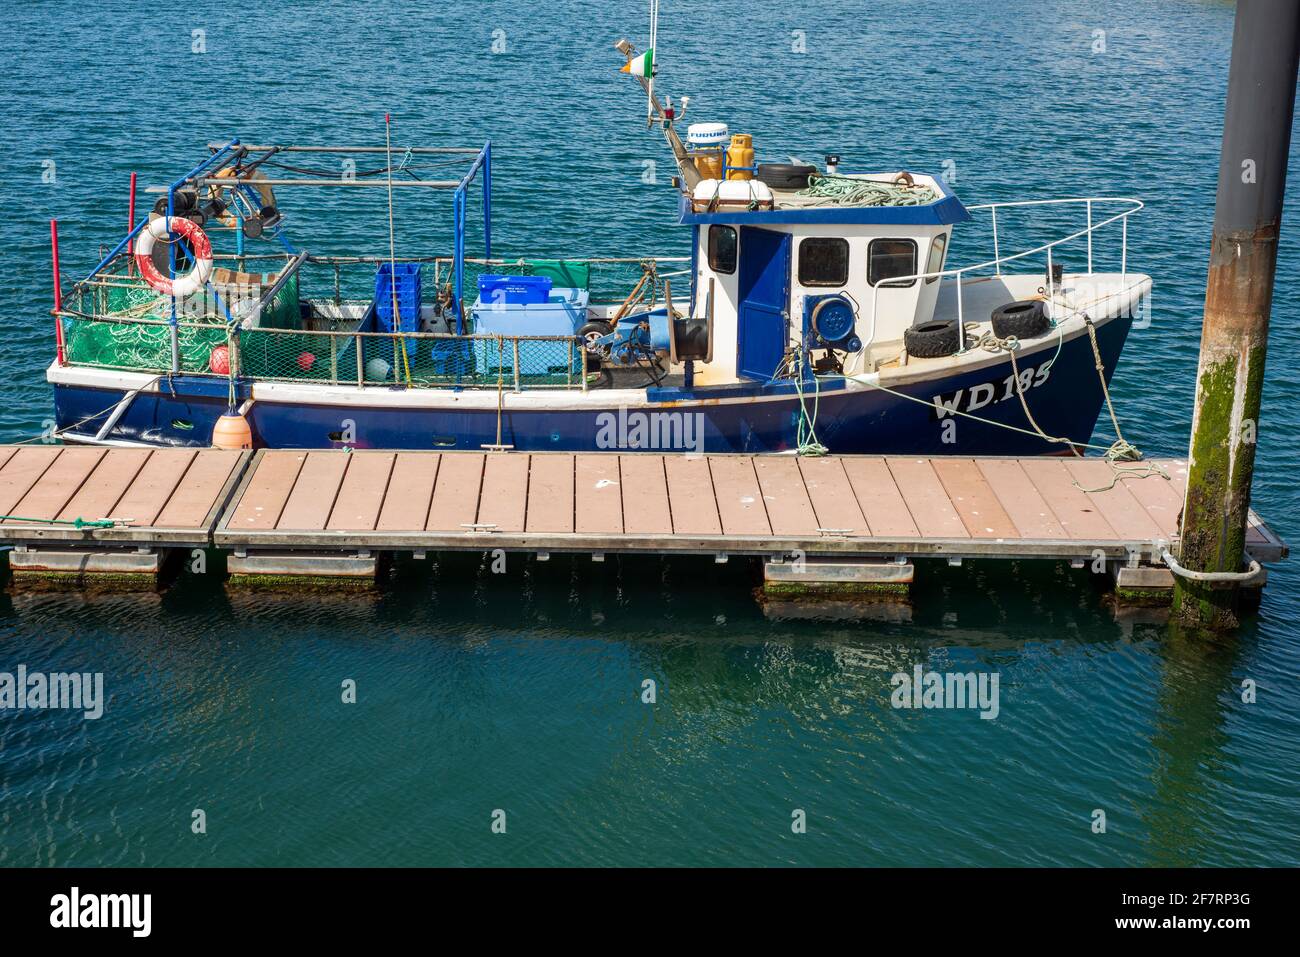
(514, 290)
(408, 296)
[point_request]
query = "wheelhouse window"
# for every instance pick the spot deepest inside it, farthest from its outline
(934, 262)
(888, 259)
(823, 262)
(722, 249)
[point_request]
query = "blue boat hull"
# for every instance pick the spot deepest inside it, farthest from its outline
(1065, 401)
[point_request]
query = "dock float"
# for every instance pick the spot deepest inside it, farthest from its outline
(820, 524)
(109, 513)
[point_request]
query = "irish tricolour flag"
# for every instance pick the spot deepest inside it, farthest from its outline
(643, 64)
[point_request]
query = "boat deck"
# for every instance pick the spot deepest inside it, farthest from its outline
(595, 503)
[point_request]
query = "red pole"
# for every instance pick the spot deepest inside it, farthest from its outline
(58, 290)
(130, 225)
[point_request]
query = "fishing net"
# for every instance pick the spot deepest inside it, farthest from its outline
(140, 346)
(424, 360)
(133, 332)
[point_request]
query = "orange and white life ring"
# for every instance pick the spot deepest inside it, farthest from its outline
(200, 246)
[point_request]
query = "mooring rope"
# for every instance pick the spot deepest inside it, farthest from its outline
(831, 190)
(1121, 450)
(75, 522)
(806, 442)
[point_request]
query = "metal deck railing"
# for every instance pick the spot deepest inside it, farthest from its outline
(995, 264)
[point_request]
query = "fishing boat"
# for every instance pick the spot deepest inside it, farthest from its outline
(816, 310)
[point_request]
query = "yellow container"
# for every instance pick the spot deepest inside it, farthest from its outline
(740, 153)
(709, 163)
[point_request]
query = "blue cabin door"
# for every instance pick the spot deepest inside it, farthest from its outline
(764, 296)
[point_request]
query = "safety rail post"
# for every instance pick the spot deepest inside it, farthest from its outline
(961, 323)
(458, 219)
(997, 256)
(130, 222)
(515, 341)
(1051, 288)
(1090, 237)
(487, 200)
(1123, 254)
(361, 364)
(59, 346)
(334, 360)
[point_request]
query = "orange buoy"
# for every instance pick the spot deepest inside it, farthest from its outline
(219, 360)
(232, 432)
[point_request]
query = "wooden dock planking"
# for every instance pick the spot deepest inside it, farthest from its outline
(456, 493)
(550, 494)
(314, 490)
(879, 499)
(831, 494)
(598, 495)
(690, 495)
(504, 500)
(22, 471)
(144, 501)
(106, 485)
(645, 495)
(596, 501)
(974, 499)
(740, 499)
(789, 508)
(1162, 499)
(1116, 504)
(58, 483)
(197, 492)
(263, 500)
(362, 494)
(928, 503)
(1073, 509)
(409, 492)
(1032, 516)
(152, 496)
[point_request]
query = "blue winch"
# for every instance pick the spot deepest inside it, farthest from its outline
(830, 321)
(640, 336)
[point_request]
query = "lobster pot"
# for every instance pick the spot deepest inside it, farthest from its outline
(240, 292)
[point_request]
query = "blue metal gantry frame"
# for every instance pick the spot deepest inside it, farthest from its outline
(482, 163)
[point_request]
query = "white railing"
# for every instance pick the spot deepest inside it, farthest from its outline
(1133, 206)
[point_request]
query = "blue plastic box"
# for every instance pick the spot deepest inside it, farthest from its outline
(514, 290)
(562, 314)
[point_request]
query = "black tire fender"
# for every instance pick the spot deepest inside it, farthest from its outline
(784, 175)
(1024, 319)
(932, 340)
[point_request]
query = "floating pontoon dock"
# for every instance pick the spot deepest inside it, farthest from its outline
(831, 519)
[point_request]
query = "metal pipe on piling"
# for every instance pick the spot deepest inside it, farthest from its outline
(1238, 298)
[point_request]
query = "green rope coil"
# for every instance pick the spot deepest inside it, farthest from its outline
(831, 190)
